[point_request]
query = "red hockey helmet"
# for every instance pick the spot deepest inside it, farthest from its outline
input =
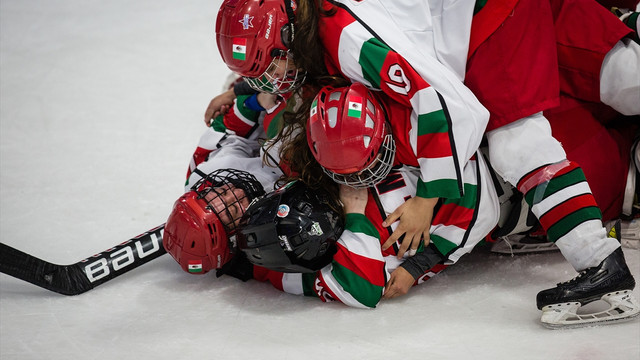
(348, 134)
(254, 37)
(200, 231)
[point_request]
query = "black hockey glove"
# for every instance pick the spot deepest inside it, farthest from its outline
(418, 264)
(238, 267)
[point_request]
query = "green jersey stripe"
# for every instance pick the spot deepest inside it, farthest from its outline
(359, 223)
(469, 200)
(445, 188)
(308, 284)
(433, 122)
(372, 56)
(444, 246)
(361, 290)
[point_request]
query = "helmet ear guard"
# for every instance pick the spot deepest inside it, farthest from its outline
(292, 229)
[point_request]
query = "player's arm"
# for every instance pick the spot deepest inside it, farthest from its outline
(357, 274)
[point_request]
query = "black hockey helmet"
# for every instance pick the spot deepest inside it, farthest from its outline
(292, 229)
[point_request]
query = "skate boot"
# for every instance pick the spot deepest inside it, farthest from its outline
(610, 281)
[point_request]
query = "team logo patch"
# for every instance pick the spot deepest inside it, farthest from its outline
(246, 21)
(316, 229)
(283, 210)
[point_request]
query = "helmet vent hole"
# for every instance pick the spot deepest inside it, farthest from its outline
(371, 107)
(212, 232)
(193, 244)
(368, 123)
(366, 140)
(332, 115)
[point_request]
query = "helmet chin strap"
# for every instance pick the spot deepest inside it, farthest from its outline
(292, 19)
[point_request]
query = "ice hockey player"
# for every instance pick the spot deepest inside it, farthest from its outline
(548, 177)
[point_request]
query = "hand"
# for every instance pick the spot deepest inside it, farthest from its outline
(219, 105)
(415, 222)
(267, 101)
(399, 283)
(353, 200)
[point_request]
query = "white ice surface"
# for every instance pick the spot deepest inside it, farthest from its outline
(101, 107)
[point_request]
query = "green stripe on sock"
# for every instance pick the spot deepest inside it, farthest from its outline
(569, 222)
(554, 185)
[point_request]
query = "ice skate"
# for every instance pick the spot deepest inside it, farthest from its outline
(610, 281)
(517, 244)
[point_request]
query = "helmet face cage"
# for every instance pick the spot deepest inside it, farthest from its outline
(228, 193)
(374, 172)
(281, 76)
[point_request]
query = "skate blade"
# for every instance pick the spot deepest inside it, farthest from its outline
(623, 307)
(517, 247)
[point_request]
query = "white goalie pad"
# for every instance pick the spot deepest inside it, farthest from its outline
(623, 306)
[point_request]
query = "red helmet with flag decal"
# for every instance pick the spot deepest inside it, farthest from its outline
(348, 134)
(200, 231)
(254, 37)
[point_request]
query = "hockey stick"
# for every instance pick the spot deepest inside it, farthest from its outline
(86, 274)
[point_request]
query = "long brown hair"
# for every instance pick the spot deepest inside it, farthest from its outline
(309, 55)
(306, 46)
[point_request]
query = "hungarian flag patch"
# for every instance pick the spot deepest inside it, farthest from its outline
(195, 266)
(240, 49)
